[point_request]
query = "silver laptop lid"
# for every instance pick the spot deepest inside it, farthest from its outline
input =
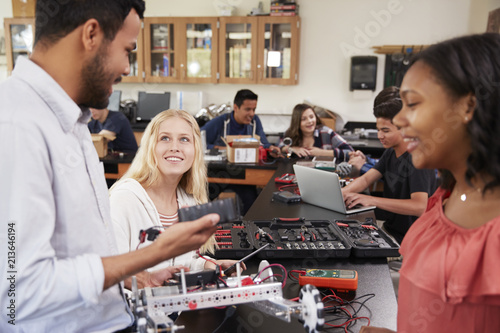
(322, 188)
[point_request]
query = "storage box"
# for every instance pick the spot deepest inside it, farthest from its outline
(23, 8)
(100, 144)
(328, 118)
(241, 151)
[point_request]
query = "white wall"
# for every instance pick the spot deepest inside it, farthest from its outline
(327, 25)
(478, 18)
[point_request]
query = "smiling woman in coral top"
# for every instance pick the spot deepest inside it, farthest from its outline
(451, 107)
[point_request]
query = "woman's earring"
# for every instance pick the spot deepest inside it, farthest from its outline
(466, 119)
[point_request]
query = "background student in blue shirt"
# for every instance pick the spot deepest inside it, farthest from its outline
(118, 124)
(241, 121)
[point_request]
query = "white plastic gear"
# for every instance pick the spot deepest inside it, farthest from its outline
(312, 316)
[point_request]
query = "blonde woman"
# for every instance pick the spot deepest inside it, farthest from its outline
(167, 173)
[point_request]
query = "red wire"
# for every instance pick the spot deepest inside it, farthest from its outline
(293, 277)
(295, 190)
(345, 324)
(334, 295)
(283, 283)
(282, 187)
(206, 259)
(270, 276)
(338, 299)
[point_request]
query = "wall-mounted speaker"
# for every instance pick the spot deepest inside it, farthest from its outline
(363, 73)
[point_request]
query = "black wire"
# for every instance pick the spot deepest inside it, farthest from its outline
(229, 312)
(339, 312)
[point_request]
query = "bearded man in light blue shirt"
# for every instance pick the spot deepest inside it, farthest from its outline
(59, 271)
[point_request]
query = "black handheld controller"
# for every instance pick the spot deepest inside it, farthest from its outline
(226, 208)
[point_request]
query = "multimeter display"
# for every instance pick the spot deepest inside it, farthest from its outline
(340, 279)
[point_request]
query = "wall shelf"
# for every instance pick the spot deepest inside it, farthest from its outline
(404, 49)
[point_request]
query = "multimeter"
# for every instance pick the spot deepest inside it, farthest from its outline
(339, 279)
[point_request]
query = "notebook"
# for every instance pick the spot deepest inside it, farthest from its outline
(322, 188)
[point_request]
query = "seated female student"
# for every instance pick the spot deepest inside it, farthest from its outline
(451, 105)
(311, 138)
(167, 173)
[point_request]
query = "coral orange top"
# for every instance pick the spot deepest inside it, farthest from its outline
(450, 278)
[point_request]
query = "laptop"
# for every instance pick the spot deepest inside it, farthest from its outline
(322, 188)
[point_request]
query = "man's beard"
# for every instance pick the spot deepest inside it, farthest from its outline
(95, 82)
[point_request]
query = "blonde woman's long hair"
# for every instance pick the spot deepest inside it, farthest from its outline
(144, 167)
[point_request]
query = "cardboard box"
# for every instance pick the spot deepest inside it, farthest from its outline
(242, 151)
(100, 144)
(23, 8)
(328, 118)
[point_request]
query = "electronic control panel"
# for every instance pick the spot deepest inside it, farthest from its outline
(233, 240)
(367, 240)
(302, 238)
(298, 238)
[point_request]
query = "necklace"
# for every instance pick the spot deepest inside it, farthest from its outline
(463, 196)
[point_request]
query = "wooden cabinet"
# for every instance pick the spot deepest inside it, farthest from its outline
(19, 39)
(278, 50)
(261, 49)
(199, 45)
(136, 60)
(161, 54)
(246, 49)
(181, 49)
(238, 49)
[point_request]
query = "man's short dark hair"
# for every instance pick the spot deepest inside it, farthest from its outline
(244, 94)
(387, 104)
(55, 19)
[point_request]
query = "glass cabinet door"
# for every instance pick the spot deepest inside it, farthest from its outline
(160, 47)
(19, 39)
(199, 45)
(136, 61)
(238, 49)
(279, 50)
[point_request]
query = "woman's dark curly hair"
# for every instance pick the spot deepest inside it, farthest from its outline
(471, 65)
(294, 132)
